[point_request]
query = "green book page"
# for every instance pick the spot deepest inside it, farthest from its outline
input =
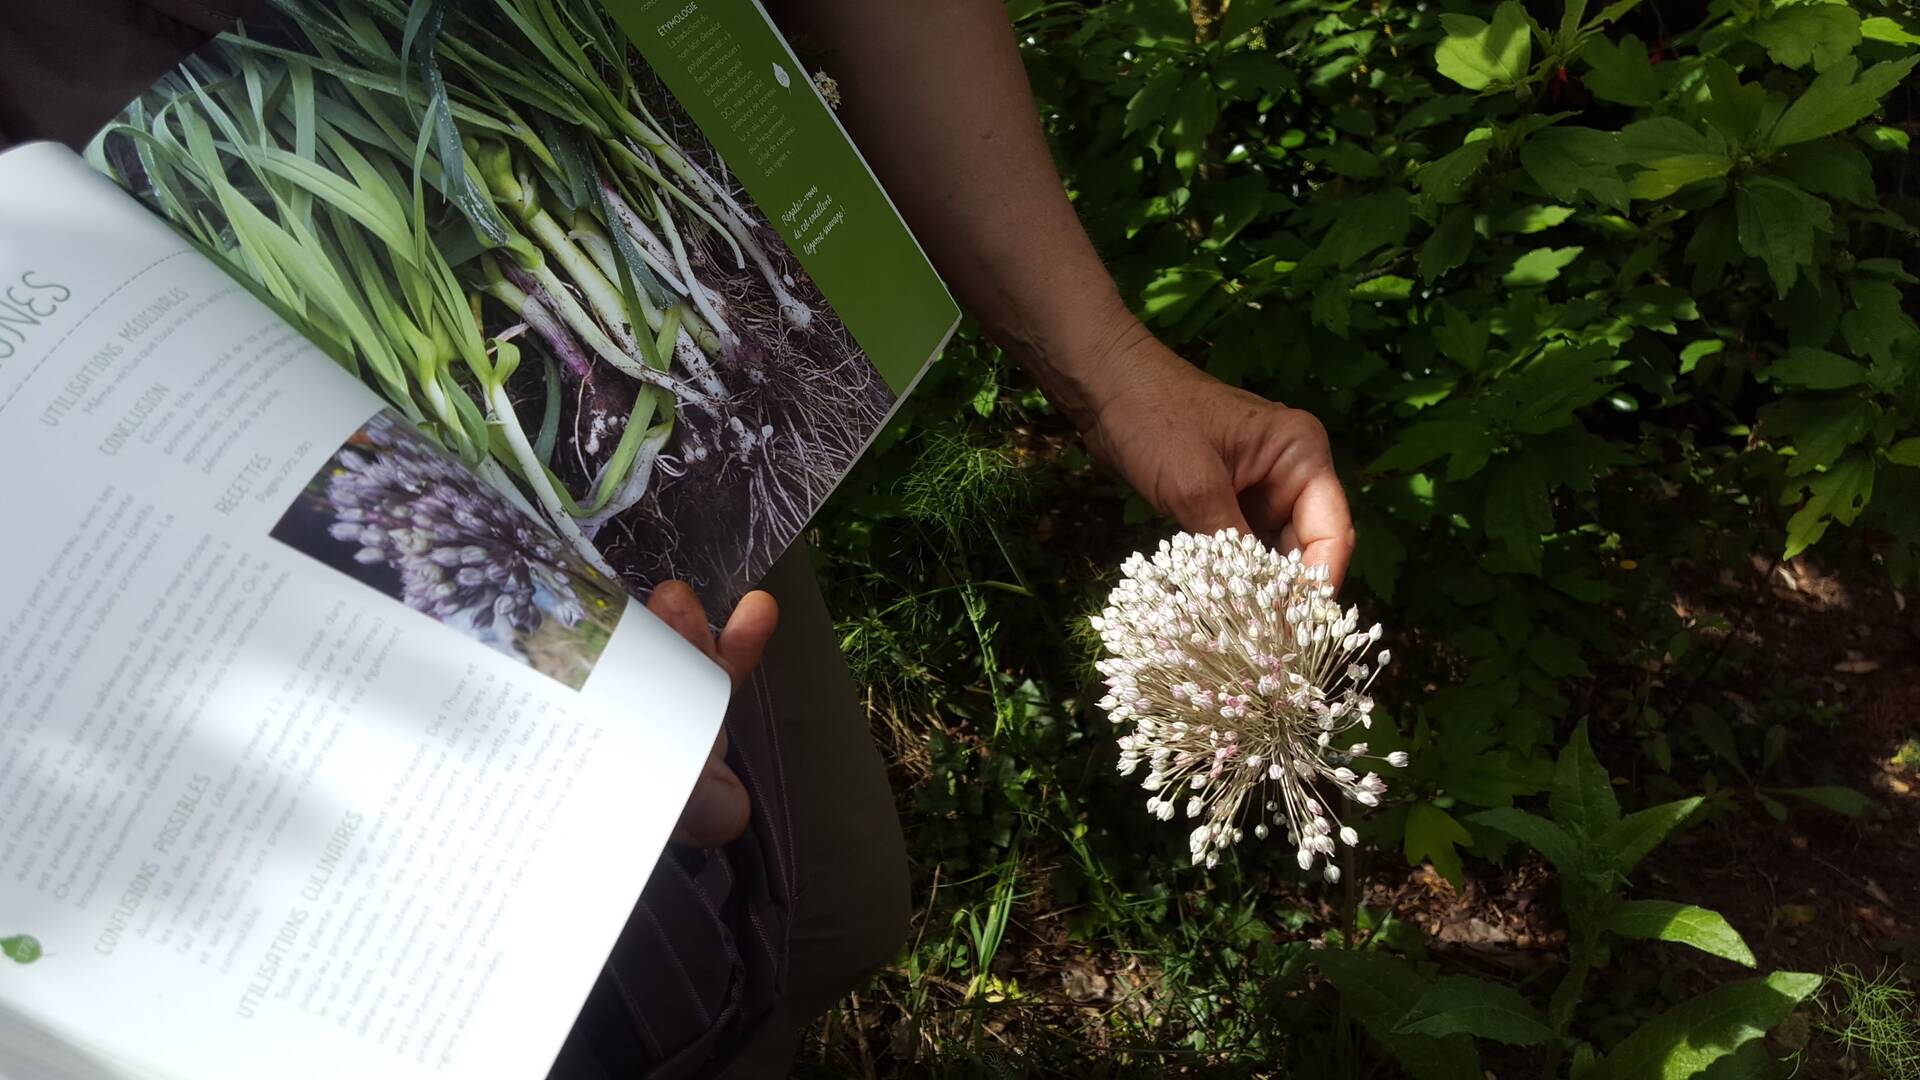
(737, 78)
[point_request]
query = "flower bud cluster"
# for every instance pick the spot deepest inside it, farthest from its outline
(458, 546)
(1242, 681)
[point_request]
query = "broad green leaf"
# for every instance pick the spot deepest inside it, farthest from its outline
(1735, 110)
(1448, 247)
(1882, 28)
(1671, 154)
(1378, 990)
(1346, 159)
(1478, 55)
(1175, 292)
(1631, 838)
(1364, 225)
(1465, 443)
(1432, 835)
(1821, 33)
(1582, 799)
(1840, 800)
(1665, 920)
(1877, 320)
(1527, 220)
(1196, 108)
(1566, 161)
(1445, 180)
(1543, 836)
(1905, 452)
(1459, 336)
(1821, 427)
(1837, 100)
(1658, 307)
(1621, 72)
(1333, 305)
(1839, 494)
(1147, 109)
(1815, 369)
(1829, 167)
(1693, 1035)
(1518, 507)
(1539, 266)
(1777, 223)
(1463, 1005)
(1243, 15)
(1384, 287)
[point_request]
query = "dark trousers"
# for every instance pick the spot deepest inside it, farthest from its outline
(732, 954)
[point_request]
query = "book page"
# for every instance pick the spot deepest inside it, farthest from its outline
(712, 305)
(318, 755)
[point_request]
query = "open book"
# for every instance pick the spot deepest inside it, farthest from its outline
(349, 385)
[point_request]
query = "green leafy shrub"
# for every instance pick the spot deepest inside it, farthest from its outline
(1589, 300)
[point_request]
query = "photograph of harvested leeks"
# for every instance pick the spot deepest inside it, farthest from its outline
(494, 215)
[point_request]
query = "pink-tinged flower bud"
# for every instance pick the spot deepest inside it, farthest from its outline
(1397, 759)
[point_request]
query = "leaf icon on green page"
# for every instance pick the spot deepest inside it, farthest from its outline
(21, 948)
(780, 76)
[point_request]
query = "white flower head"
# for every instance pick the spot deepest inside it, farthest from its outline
(1239, 674)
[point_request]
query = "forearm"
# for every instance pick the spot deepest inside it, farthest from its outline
(935, 94)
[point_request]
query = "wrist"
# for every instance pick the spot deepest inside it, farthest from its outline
(1088, 361)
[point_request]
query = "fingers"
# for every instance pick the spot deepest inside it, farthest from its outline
(718, 810)
(1322, 527)
(745, 636)
(676, 604)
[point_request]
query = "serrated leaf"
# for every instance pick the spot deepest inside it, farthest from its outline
(1527, 220)
(1829, 167)
(1839, 494)
(1195, 110)
(1364, 225)
(1621, 72)
(1877, 320)
(1243, 15)
(1665, 920)
(1378, 990)
(1432, 835)
(1837, 100)
(1777, 223)
(1463, 1005)
(1384, 287)
(1882, 28)
(1692, 1036)
(1448, 247)
(1582, 799)
(1171, 295)
(1518, 508)
(1147, 109)
(1631, 838)
(1659, 307)
(1671, 154)
(1566, 161)
(1539, 266)
(1821, 33)
(1543, 836)
(1478, 55)
(1815, 369)
(1445, 180)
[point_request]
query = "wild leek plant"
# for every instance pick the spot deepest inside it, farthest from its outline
(1242, 679)
(429, 188)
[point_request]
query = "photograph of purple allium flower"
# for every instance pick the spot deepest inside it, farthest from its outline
(395, 512)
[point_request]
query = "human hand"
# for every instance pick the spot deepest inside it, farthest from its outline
(1215, 457)
(718, 810)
